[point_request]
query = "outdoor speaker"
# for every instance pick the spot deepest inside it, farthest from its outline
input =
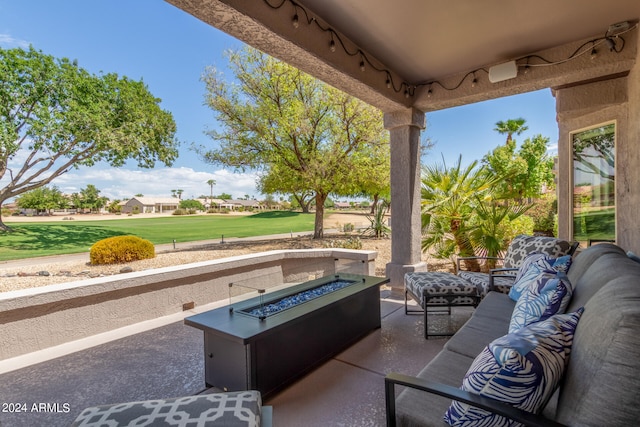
(501, 72)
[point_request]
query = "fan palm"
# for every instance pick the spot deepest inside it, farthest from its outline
(449, 196)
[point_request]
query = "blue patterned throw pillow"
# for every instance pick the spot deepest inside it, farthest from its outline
(534, 264)
(522, 369)
(547, 295)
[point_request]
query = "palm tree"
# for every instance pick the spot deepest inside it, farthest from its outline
(448, 199)
(211, 183)
(510, 127)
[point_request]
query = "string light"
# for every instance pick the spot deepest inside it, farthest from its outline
(332, 45)
(301, 13)
(611, 40)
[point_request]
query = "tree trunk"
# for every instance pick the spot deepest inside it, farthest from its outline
(464, 247)
(4, 227)
(303, 205)
(374, 205)
(318, 231)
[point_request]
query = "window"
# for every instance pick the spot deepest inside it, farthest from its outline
(594, 185)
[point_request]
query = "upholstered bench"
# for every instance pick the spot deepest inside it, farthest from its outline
(242, 408)
(437, 289)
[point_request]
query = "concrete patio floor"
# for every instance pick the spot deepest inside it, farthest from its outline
(347, 390)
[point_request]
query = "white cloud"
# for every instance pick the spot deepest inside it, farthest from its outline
(9, 41)
(121, 183)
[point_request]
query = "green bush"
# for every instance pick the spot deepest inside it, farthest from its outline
(179, 212)
(543, 214)
(119, 249)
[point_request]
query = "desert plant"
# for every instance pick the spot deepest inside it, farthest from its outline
(349, 243)
(118, 249)
(377, 227)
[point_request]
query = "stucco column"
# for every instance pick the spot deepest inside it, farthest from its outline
(405, 127)
(628, 185)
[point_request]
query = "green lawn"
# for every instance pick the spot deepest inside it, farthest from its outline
(54, 238)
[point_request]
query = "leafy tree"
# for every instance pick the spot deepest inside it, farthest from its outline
(224, 196)
(280, 178)
(526, 170)
(89, 198)
(58, 116)
(43, 199)
(139, 195)
(282, 121)
(114, 206)
(191, 204)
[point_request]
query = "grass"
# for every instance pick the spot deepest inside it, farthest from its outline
(29, 240)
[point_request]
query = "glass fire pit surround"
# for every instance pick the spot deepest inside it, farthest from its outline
(268, 341)
(274, 306)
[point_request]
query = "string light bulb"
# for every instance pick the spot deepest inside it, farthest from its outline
(362, 67)
(332, 45)
(295, 21)
(611, 43)
(388, 83)
(594, 53)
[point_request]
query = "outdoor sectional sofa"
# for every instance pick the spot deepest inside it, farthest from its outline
(601, 382)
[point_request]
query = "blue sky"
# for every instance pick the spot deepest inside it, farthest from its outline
(169, 49)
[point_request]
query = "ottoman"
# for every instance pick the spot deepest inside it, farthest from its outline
(241, 409)
(436, 289)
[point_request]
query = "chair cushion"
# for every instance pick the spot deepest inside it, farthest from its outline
(532, 266)
(545, 296)
(481, 281)
(522, 369)
(437, 288)
(221, 409)
(522, 245)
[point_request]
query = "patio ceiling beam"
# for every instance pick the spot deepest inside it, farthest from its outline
(461, 89)
(305, 45)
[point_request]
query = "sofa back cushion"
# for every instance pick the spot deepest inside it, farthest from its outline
(522, 245)
(593, 268)
(602, 381)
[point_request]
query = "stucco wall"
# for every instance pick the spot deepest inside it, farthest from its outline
(589, 105)
(36, 319)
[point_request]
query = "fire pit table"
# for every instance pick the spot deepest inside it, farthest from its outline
(266, 342)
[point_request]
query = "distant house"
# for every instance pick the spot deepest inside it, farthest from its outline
(245, 204)
(151, 205)
(342, 205)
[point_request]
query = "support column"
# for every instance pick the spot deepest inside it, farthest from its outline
(628, 185)
(405, 127)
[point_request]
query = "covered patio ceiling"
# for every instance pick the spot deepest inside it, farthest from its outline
(431, 54)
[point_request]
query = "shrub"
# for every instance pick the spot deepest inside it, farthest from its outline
(179, 212)
(543, 213)
(350, 243)
(118, 249)
(348, 227)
